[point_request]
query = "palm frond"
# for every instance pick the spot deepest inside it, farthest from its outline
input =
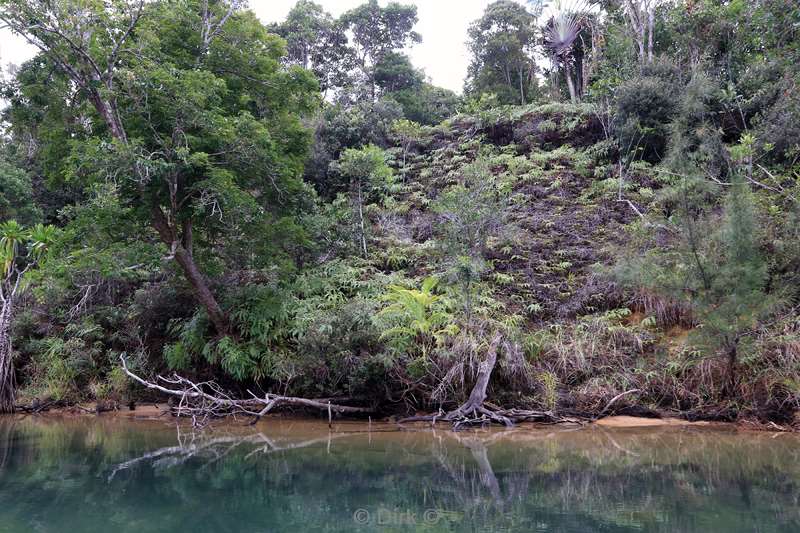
(566, 25)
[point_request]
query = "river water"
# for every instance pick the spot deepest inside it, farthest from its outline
(116, 475)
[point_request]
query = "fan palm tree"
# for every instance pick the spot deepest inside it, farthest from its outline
(560, 34)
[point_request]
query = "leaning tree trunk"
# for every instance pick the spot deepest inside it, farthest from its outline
(181, 246)
(201, 290)
(7, 381)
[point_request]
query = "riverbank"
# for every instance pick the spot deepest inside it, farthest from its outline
(163, 412)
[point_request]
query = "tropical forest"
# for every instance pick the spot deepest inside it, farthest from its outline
(293, 212)
(414, 265)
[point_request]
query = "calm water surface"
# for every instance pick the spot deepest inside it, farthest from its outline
(115, 475)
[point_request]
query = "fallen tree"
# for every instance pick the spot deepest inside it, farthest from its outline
(205, 400)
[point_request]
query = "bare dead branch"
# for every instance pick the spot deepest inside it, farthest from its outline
(202, 401)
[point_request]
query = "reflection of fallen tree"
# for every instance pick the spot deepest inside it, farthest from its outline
(205, 400)
(213, 449)
(475, 411)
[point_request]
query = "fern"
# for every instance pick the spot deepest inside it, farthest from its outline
(418, 316)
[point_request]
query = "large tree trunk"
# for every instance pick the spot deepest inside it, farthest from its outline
(7, 381)
(201, 290)
(181, 247)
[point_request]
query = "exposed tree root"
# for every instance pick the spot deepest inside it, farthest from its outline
(475, 411)
(203, 401)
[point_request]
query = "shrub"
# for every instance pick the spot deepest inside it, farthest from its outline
(643, 109)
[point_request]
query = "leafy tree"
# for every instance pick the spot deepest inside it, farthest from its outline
(406, 132)
(41, 125)
(16, 195)
(200, 127)
(695, 134)
(366, 171)
(644, 107)
(502, 43)
(470, 213)
(346, 125)
(427, 104)
(715, 265)
(394, 72)
(315, 41)
(376, 32)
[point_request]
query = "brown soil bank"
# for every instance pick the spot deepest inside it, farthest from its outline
(163, 412)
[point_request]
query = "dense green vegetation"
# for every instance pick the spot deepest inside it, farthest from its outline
(297, 208)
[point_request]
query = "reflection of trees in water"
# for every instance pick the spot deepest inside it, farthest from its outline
(6, 433)
(657, 480)
(590, 479)
(622, 480)
(473, 484)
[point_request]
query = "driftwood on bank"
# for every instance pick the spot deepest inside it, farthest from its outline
(476, 411)
(205, 400)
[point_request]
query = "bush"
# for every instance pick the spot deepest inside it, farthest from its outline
(778, 126)
(644, 108)
(344, 126)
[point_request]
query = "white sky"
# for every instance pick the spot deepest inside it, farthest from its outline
(442, 23)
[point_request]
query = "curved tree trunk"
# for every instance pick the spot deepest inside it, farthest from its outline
(168, 230)
(181, 246)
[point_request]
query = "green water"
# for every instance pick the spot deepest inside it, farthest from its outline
(112, 475)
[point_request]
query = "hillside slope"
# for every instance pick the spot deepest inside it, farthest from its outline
(584, 339)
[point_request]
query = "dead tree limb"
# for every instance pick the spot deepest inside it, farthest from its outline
(613, 401)
(205, 400)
